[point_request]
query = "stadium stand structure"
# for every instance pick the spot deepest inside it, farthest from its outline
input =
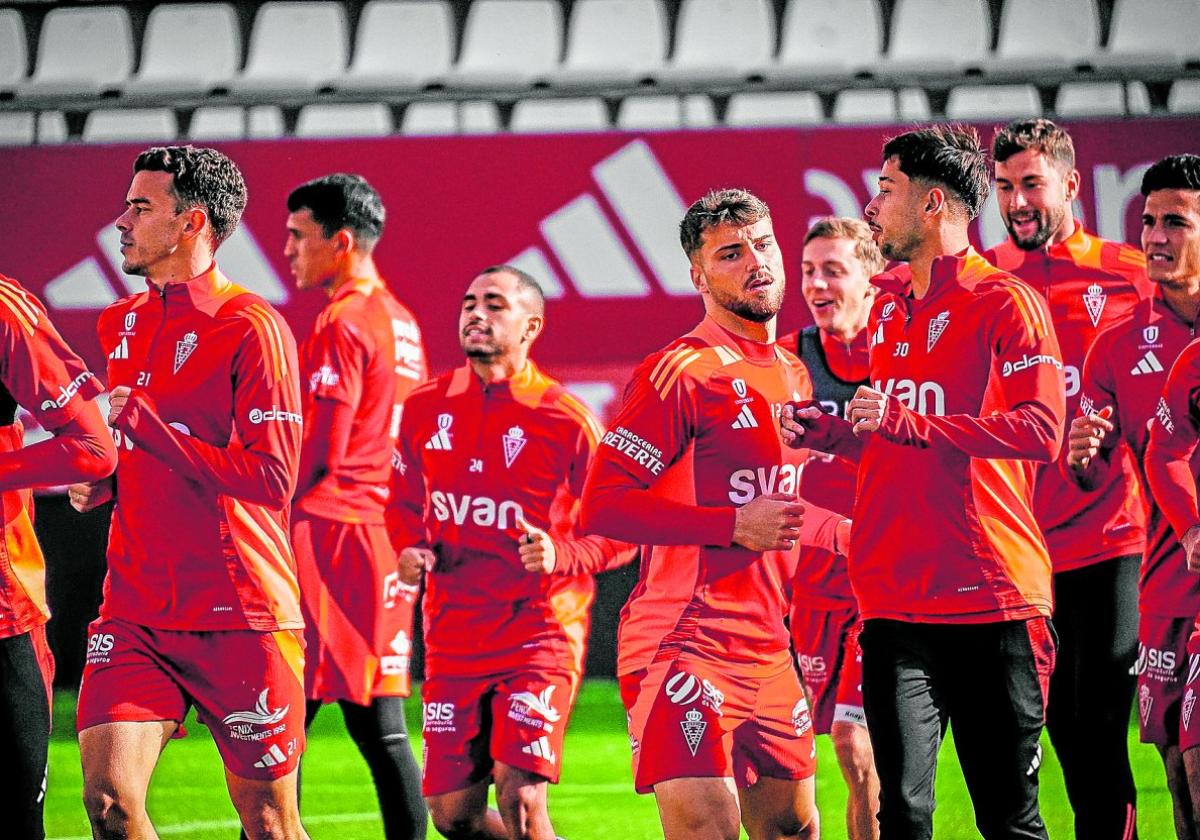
(101, 72)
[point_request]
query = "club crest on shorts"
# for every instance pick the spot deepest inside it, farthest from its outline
(184, 349)
(1094, 299)
(514, 442)
(1189, 702)
(936, 327)
(1145, 703)
(693, 725)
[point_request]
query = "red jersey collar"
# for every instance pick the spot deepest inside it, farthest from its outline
(754, 351)
(528, 381)
(849, 362)
(204, 287)
(1078, 248)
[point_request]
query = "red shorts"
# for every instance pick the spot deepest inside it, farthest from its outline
(830, 660)
(517, 719)
(247, 687)
(1189, 722)
(358, 617)
(690, 719)
(1161, 670)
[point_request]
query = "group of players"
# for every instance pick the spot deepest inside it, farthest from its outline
(279, 511)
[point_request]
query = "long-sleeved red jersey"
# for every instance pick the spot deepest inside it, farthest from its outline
(1174, 435)
(1089, 284)
(209, 446)
(473, 460)
(41, 373)
(697, 437)
(1127, 369)
(365, 352)
(944, 529)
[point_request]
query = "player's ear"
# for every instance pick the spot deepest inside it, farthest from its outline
(698, 279)
(1072, 183)
(344, 241)
(533, 326)
(195, 220)
(935, 201)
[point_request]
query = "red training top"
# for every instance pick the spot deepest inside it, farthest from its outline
(209, 445)
(366, 353)
(1090, 284)
(473, 460)
(1174, 434)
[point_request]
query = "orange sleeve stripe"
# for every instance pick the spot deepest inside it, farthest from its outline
(1030, 311)
(670, 383)
(666, 361)
(271, 340)
(584, 417)
(14, 300)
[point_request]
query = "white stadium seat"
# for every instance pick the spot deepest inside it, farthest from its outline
(188, 48)
(722, 40)
(547, 116)
(401, 44)
(367, 119)
(1101, 99)
(52, 127)
(1036, 34)
(508, 43)
(614, 41)
(264, 122)
(480, 117)
(14, 55)
(430, 118)
(824, 37)
(1184, 97)
(218, 122)
(988, 102)
(774, 109)
(881, 106)
(939, 34)
(17, 128)
(658, 113)
(1153, 32)
(82, 51)
(295, 47)
(107, 125)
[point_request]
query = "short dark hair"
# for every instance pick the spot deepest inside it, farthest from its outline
(202, 178)
(342, 200)
(1040, 135)
(718, 207)
(1175, 172)
(854, 230)
(949, 155)
(525, 281)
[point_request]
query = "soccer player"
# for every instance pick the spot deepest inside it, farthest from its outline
(840, 257)
(201, 605)
(954, 588)
(1095, 538)
(1171, 240)
(492, 458)
(693, 467)
(40, 372)
(363, 358)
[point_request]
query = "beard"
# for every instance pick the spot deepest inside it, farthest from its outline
(1049, 221)
(758, 309)
(900, 249)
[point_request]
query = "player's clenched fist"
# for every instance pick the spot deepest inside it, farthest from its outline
(805, 426)
(413, 562)
(1191, 548)
(1085, 437)
(117, 398)
(769, 523)
(537, 550)
(866, 410)
(90, 495)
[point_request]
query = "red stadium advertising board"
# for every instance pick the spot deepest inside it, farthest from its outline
(592, 216)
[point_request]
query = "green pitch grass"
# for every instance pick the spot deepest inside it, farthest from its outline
(594, 801)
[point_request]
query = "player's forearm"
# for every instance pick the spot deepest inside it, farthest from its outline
(81, 451)
(1174, 487)
(1028, 432)
(233, 470)
(635, 515)
(591, 555)
(820, 528)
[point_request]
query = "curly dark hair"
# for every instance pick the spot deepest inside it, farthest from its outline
(202, 178)
(1175, 172)
(949, 155)
(718, 207)
(342, 200)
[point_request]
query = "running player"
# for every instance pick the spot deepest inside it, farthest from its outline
(363, 358)
(1171, 239)
(201, 604)
(955, 594)
(693, 466)
(492, 458)
(41, 373)
(1095, 538)
(840, 257)
(1123, 379)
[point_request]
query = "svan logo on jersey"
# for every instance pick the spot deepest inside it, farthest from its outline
(479, 510)
(921, 397)
(67, 391)
(746, 484)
